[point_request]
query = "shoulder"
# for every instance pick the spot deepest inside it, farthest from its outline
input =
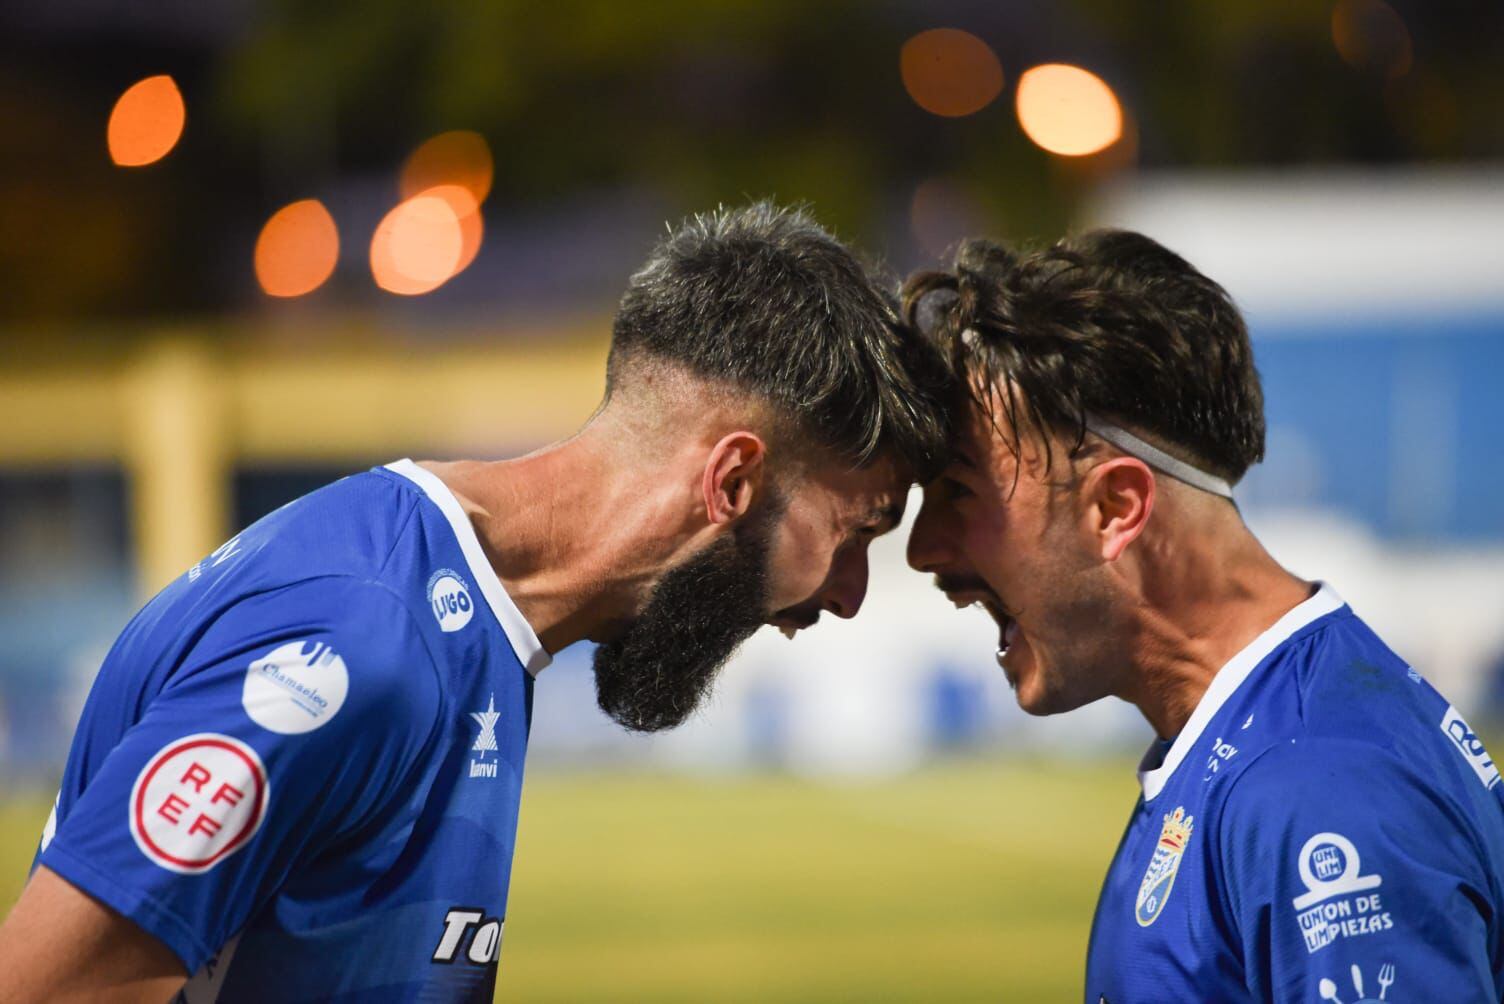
(1326, 773)
(353, 525)
(342, 639)
(1307, 787)
(1334, 693)
(1342, 670)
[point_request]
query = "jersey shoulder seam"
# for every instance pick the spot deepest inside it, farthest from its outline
(401, 532)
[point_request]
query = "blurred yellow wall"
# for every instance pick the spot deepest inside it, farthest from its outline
(182, 412)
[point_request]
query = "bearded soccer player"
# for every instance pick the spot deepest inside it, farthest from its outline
(1316, 823)
(297, 775)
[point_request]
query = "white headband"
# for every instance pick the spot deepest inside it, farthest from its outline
(1147, 452)
(1157, 458)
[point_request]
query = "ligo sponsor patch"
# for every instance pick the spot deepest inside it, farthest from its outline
(1470, 746)
(199, 800)
(296, 687)
(449, 597)
(1330, 908)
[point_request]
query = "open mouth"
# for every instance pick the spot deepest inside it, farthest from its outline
(1007, 627)
(977, 595)
(790, 623)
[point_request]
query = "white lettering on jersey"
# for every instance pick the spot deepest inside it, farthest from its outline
(296, 687)
(225, 551)
(199, 800)
(485, 742)
(1332, 871)
(1220, 754)
(1471, 747)
(450, 599)
(220, 555)
(485, 944)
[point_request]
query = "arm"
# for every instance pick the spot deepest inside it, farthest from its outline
(54, 928)
(1344, 875)
(292, 722)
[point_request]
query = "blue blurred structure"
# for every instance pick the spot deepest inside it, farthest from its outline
(1390, 421)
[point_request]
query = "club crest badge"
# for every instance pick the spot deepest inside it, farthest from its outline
(1159, 878)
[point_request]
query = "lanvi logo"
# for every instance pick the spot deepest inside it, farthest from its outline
(450, 599)
(486, 741)
(1466, 740)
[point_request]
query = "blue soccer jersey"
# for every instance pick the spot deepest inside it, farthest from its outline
(299, 767)
(1325, 829)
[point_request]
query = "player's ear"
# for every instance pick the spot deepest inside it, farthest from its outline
(1120, 496)
(733, 476)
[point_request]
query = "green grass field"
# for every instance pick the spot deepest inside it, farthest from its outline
(965, 882)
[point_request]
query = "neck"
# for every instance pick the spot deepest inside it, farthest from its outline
(568, 531)
(1203, 598)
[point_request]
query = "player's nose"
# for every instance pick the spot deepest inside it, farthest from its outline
(847, 587)
(931, 547)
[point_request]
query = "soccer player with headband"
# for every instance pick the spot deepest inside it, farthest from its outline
(1314, 815)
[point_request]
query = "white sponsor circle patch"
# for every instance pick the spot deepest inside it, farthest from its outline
(199, 800)
(1332, 873)
(449, 597)
(1470, 746)
(296, 687)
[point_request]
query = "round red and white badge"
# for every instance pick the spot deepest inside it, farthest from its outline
(199, 800)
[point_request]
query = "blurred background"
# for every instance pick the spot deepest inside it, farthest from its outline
(248, 247)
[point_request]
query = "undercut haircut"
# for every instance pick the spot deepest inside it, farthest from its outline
(764, 300)
(1107, 323)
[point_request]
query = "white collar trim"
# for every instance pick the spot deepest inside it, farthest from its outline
(530, 651)
(1228, 679)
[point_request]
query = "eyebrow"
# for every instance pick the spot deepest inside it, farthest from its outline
(961, 457)
(886, 517)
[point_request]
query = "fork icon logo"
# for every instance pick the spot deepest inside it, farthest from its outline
(1328, 988)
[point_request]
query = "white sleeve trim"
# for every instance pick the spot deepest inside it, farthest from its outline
(524, 641)
(1228, 679)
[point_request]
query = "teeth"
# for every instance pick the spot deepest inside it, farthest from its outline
(788, 632)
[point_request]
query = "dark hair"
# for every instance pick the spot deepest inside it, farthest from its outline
(764, 299)
(1109, 323)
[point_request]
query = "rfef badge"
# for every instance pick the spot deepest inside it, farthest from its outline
(1159, 878)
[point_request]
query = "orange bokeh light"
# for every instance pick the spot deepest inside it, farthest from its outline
(467, 211)
(146, 122)
(451, 158)
(297, 249)
(1067, 110)
(1371, 35)
(950, 72)
(417, 246)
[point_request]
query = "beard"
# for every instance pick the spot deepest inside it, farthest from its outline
(663, 665)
